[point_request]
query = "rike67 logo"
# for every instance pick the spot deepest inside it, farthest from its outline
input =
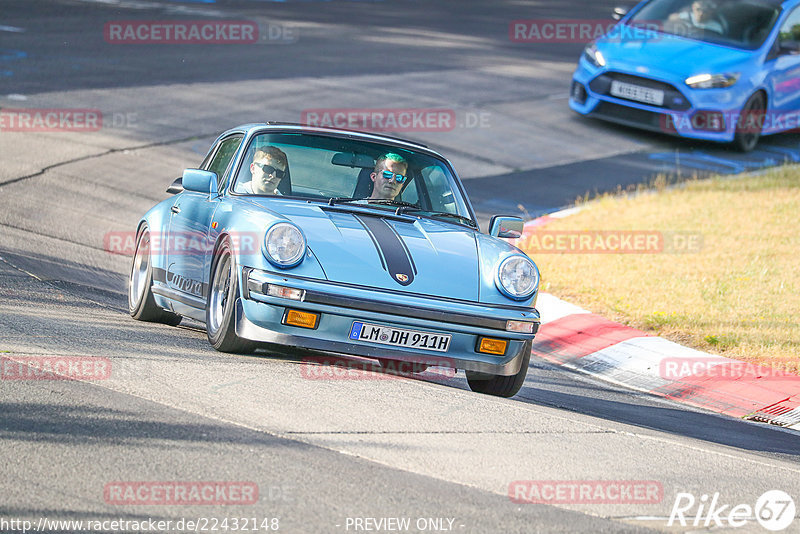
(774, 510)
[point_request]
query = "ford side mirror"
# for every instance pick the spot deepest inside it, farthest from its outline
(200, 181)
(506, 227)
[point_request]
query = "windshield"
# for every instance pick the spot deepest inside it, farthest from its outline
(738, 23)
(341, 171)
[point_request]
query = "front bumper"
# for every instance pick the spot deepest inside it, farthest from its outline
(688, 119)
(259, 318)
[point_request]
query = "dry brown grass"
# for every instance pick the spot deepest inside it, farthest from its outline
(738, 296)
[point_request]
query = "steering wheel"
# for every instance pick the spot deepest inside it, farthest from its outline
(679, 27)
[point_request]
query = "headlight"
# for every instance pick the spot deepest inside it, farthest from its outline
(284, 244)
(712, 81)
(517, 277)
(594, 56)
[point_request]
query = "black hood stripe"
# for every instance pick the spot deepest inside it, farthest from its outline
(403, 243)
(391, 249)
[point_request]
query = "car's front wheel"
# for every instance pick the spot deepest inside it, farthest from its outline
(751, 120)
(141, 303)
(221, 303)
(501, 386)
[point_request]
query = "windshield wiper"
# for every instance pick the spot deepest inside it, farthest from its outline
(343, 200)
(460, 218)
(399, 203)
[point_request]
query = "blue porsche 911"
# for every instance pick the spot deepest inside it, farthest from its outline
(338, 241)
(720, 70)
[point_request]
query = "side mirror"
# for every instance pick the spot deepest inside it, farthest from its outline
(619, 12)
(176, 186)
(200, 181)
(506, 227)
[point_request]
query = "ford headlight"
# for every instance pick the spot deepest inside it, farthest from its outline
(712, 81)
(517, 277)
(594, 56)
(284, 244)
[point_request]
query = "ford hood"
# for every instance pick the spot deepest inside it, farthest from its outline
(671, 57)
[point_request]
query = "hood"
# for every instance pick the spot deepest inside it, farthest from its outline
(672, 58)
(377, 249)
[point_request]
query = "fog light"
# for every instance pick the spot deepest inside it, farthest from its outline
(285, 292)
(301, 318)
(710, 121)
(523, 327)
(578, 92)
(489, 345)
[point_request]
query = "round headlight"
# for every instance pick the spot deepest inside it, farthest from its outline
(284, 244)
(517, 277)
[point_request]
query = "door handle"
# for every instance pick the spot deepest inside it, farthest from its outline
(175, 209)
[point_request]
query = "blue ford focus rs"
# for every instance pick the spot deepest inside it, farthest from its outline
(338, 241)
(719, 70)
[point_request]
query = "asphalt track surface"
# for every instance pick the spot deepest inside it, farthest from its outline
(322, 452)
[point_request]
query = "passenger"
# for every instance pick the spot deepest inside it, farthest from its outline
(268, 169)
(388, 176)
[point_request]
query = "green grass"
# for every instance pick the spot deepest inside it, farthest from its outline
(737, 294)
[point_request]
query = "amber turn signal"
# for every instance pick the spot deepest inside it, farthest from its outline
(489, 345)
(301, 318)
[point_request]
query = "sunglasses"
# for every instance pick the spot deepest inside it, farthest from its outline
(388, 175)
(269, 169)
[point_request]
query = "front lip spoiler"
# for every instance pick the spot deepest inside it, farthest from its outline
(246, 329)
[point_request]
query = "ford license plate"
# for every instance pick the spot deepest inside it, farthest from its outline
(637, 92)
(399, 337)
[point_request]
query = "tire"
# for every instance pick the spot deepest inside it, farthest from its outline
(748, 127)
(223, 291)
(141, 303)
(501, 386)
(401, 367)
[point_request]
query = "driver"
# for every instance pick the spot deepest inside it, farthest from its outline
(700, 15)
(268, 169)
(388, 176)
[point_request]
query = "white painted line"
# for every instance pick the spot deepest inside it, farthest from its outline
(12, 29)
(20, 98)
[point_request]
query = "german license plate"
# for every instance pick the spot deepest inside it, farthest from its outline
(637, 92)
(399, 337)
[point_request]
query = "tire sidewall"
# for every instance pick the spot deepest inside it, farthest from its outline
(138, 309)
(217, 338)
(741, 139)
